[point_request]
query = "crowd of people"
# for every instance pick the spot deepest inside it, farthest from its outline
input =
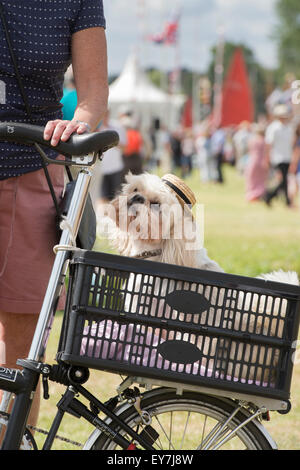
(266, 153)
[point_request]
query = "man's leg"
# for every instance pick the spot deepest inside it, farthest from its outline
(284, 168)
(16, 333)
(271, 194)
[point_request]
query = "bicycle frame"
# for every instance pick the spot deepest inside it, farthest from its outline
(23, 382)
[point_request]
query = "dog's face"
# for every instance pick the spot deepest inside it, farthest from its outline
(147, 209)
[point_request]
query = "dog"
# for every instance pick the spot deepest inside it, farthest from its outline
(157, 220)
(152, 219)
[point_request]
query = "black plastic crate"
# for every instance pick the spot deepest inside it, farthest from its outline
(148, 319)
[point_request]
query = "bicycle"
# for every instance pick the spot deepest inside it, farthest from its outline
(216, 396)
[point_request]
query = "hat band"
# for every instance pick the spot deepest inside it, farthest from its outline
(178, 192)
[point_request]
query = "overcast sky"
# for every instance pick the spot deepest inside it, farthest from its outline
(249, 21)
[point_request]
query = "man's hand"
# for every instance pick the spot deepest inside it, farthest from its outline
(62, 130)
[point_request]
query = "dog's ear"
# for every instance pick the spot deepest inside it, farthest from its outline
(116, 212)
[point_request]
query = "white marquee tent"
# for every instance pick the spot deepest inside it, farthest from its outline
(134, 90)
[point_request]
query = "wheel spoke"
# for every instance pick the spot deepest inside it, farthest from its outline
(185, 428)
(222, 428)
(203, 433)
(210, 435)
(163, 430)
(171, 427)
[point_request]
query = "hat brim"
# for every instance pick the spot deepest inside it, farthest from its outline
(183, 193)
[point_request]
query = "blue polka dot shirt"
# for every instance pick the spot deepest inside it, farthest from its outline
(40, 32)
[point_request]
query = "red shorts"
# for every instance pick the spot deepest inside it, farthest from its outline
(27, 236)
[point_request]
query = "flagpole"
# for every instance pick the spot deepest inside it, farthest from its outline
(163, 73)
(178, 56)
(142, 28)
(168, 37)
(196, 112)
(219, 75)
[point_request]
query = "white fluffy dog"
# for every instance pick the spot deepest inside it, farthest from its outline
(152, 219)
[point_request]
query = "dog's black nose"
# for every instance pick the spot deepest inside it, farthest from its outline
(136, 199)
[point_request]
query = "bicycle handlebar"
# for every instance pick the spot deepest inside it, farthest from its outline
(76, 146)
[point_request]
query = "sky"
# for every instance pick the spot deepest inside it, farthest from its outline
(248, 21)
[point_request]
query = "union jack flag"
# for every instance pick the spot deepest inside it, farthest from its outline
(169, 35)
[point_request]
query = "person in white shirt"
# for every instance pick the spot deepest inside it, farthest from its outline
(241, 141)
(112, 165)
(280, 137)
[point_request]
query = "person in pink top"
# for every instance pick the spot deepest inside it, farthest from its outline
(257, 169)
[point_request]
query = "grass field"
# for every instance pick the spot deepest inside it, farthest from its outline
(245, 239)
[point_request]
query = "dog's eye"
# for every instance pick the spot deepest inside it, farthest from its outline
(135, 190)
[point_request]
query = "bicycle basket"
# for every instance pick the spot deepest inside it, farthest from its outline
(148, 319)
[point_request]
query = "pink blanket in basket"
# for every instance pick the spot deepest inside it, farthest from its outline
(126, 343)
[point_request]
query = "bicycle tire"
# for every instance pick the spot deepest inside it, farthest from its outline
(214, 411)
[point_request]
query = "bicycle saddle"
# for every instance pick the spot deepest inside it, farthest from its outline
(77, 145)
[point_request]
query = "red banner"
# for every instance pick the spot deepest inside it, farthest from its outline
(237, 99)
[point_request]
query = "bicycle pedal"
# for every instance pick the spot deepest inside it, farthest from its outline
(149, 434)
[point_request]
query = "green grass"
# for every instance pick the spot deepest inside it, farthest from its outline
(245, 239)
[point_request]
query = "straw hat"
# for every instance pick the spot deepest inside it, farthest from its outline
(184, 194)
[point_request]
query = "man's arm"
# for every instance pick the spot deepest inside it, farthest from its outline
(89, 61)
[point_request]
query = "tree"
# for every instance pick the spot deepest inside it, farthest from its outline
(287, 35)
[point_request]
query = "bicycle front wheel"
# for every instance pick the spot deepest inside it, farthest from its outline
(190, 421)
